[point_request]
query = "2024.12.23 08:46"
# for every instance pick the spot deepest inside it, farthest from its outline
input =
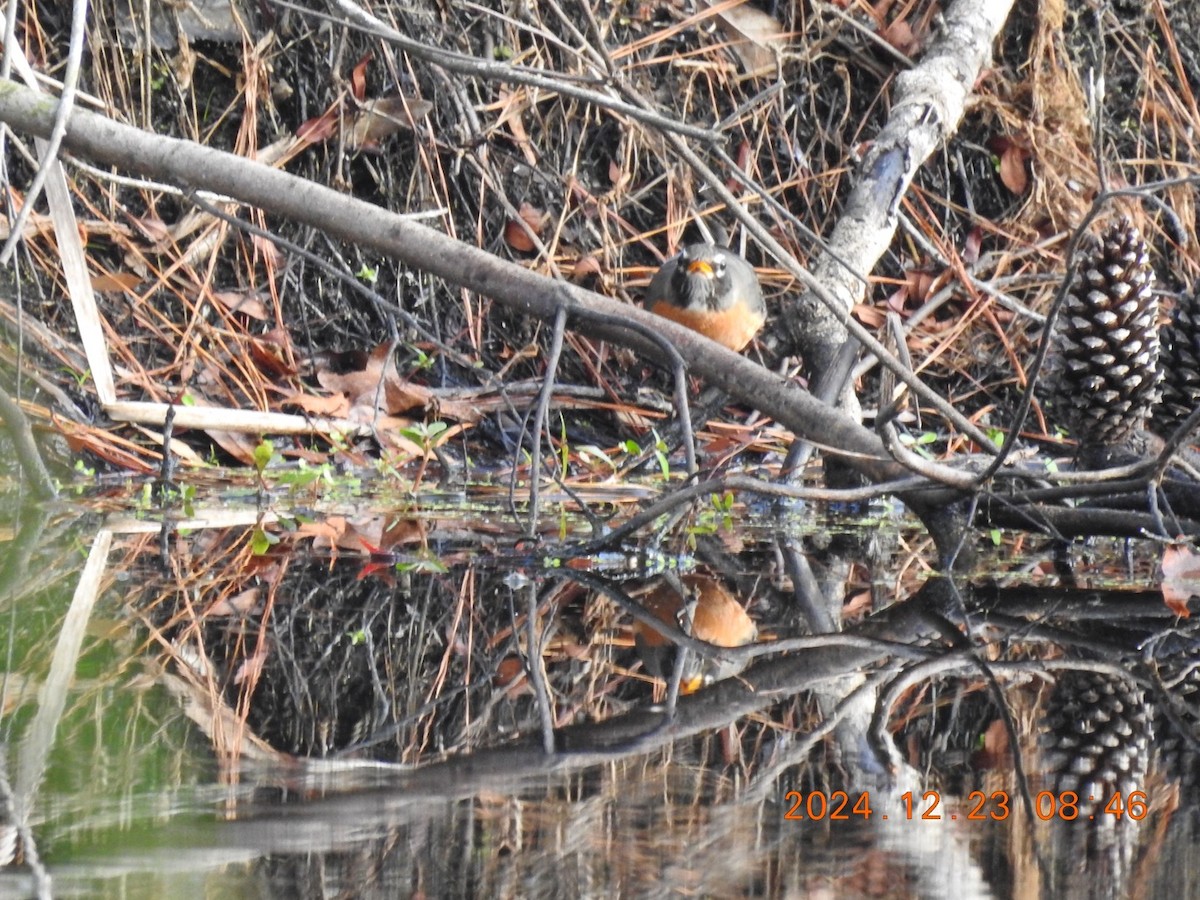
(996, 807)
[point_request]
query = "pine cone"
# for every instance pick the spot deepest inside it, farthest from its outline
(1179, 363)
(1097, 736)
(1107, 378)
(1177, 716)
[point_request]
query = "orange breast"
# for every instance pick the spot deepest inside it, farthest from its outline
(733, 327)
(717, 618)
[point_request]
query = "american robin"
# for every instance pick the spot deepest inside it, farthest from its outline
(710, 290)
(716, 618)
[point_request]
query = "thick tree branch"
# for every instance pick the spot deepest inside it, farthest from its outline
(929, 103)
(201, 168)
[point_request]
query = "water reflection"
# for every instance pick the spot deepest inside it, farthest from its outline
(370, 724)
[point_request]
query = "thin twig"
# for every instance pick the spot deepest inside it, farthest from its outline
(539, 419)
(356, 17)
(66, 103)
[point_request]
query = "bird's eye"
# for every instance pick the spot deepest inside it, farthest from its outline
(719, 266)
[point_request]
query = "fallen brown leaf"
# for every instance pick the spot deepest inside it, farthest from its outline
(1012, 154)
(115, 282)
(972, 246)
(383, 117)
(1180, 578)
(319, 128)
(586, 267)
(248, 303)
(237, 605)
(362, 388)
(334, 407)
(358, 76)
(271, 352)
(327, 534)
(1012, 170)
(900, 35)
(920, 283)
(517, 235)
(755, 37)
(869, 315)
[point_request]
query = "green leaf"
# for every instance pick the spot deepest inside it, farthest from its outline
(431, 565)
(262, 455)
(261, 542)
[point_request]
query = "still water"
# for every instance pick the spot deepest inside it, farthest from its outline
(419, 702)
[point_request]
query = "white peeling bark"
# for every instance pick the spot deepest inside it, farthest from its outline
(929, 103)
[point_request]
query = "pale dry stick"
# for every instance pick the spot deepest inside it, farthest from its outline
(70, 249)
(890, 399)
(540, 417)
(49, 153)
(25, 448)
(535, 663)
(354, 220)
(39, 876)
(10, 40)
(44, 81)
(34, 748)
(928, 104)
